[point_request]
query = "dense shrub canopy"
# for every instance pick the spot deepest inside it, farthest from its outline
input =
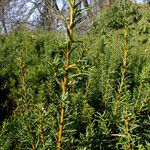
(107, 104)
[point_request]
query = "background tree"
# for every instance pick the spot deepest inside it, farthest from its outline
(3, 14)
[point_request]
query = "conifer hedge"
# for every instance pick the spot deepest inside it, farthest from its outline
(107, 104)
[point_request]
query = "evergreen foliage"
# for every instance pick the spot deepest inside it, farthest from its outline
(107, 101)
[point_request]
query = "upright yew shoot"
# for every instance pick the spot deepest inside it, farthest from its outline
(124, 70)
(65, 82)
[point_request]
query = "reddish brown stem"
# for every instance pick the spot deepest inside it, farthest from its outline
(64, 90)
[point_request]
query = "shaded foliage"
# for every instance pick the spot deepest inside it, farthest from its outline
(97, 114)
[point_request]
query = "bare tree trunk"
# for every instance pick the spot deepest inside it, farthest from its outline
(48, 17)
(3, 20)
(85, 3)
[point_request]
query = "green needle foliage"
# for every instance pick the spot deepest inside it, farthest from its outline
(107, 97)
